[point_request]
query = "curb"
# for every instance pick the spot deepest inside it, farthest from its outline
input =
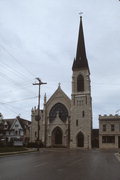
(17, 152)
(117, 155)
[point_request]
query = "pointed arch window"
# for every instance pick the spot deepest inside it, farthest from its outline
(59, 109)
(80, 83)
(83, 114)
(77, 122)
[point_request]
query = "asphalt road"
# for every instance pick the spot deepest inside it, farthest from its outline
(61, 164)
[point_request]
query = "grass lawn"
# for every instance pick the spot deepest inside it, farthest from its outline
(12, 149)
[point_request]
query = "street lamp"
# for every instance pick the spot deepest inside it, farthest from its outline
(38, 116)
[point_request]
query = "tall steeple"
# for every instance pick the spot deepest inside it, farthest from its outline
(81, 104)
(80, 62)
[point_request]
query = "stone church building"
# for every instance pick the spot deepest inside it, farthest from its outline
(66, 122)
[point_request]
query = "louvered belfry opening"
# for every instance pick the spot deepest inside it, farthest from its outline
(80, 83)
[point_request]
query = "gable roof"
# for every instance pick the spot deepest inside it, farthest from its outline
(58, 92)
(23, 122)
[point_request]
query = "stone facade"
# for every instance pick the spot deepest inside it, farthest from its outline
(81, 110)
(48, 126)
(109, 131)
(68, 122)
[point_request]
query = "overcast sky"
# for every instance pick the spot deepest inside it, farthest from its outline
(39, 38)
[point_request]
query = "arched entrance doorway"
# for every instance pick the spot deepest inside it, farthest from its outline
(57, 136)
(80, 140)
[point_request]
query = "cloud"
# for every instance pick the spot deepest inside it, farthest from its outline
(41, 37)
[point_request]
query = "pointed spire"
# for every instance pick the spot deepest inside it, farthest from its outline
(81, 60)
(45, 99)
(59, 85)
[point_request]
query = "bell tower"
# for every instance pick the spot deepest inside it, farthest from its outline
(81, 104)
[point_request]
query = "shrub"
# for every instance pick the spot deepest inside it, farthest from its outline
(35, 144)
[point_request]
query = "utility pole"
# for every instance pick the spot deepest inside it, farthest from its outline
(68, 131)
(39, 83)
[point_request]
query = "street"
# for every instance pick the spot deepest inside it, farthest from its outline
(61, 164)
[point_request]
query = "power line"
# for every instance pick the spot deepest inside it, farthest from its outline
(8, 106)
(10, 54)
(6, 77)
(18, 100)
(10, 90)
(15, 83)
(11, 70)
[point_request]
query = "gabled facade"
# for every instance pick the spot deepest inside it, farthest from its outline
(54, 121)
(16, 129)
(64, 121)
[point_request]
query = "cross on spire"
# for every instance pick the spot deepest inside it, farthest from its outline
(59, 84)
(80, 13)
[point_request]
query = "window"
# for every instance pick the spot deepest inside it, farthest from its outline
(112, 127)
(35, 133)
(80, 83)
(104, 127)
(83, 113)
(77, 122)
(86, 99)
(108, 139)
(5, 126)
(59, 109)
(16, 125)
(19, 132)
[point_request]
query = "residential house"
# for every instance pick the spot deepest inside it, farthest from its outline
(15, 130)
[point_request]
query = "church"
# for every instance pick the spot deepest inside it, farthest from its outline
(66, 122)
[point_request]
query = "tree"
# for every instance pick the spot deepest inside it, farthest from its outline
(1, 118)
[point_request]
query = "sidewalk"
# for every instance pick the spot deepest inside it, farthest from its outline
(18, 152)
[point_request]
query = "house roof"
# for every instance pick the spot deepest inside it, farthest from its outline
(23, 122)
